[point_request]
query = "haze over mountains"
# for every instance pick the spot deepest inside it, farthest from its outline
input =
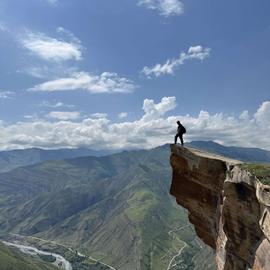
(23, 157)
(116, 208)
(17, 158)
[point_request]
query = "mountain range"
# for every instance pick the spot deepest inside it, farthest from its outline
(240, 153)
(116, 208)
(22, 157)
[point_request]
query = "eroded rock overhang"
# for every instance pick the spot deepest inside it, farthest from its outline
(228, 206)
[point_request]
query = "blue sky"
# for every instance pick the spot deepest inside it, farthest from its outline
(117, 74)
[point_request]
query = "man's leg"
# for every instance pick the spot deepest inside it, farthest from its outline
(175, 138)
(181, 139)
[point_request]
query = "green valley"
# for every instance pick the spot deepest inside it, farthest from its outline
(115, 209)
(12, 259)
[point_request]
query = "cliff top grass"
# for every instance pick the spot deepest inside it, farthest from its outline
(261, 171)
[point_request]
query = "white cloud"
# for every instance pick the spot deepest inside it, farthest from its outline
(40, 72)
(58, 104)
(51, 70)
(105, 83)
(99, 115)
(52, 2)
(152, 129)
(244, 115)
(6, 94)
(51, 49)
(263, 113)
(194, 53)
(68, 34)
(164, 7)
(122, 115)
(31, 116)
(154, 111)
(64, 115)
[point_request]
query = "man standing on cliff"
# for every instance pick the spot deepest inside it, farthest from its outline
(180, 131)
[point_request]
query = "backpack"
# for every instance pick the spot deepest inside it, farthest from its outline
(183, 129)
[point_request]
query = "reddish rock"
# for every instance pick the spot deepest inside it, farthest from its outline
(227, 205)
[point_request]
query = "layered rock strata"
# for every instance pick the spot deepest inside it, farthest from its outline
(228, 206)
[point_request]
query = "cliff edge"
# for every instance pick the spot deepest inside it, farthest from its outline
(228, 206)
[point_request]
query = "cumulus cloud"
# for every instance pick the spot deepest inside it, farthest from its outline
(64, 115)
(52, 49)
(106, 82)
(193, 53)
(154, 111)
(154, 128)
(244, 115)
(263, 113)
(164, 7)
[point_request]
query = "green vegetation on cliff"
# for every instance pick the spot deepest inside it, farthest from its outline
(261, 171)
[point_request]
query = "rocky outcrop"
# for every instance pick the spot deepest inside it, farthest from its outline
(228, 206)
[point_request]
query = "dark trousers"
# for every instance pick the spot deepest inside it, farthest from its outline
(180, 135)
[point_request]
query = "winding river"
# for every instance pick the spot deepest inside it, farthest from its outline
(59, 260)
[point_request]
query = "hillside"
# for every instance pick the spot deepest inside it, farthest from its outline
(261, 171)
(23, 157)
(115, 208)
(17, 158)
(12, 259)
(240, 153)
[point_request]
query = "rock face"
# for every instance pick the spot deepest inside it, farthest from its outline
(227, 205)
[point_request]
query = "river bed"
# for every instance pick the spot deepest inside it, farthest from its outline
(59, 260)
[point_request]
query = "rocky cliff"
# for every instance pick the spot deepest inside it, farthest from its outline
(228, 206)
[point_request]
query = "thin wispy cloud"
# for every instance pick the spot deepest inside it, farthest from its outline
(64, 115)
(99, 115)
(51, 49)
(169, 67)
(58, 104)
(65, 33)
(52, 2)
(122, 115)
(164, 7)
(6, 94)
(49, 70)
(104, 83)
(3, 27)
(32, 117)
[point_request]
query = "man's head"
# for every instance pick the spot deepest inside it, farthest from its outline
(178, 122)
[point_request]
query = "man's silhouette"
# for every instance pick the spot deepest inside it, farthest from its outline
(180, 131)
